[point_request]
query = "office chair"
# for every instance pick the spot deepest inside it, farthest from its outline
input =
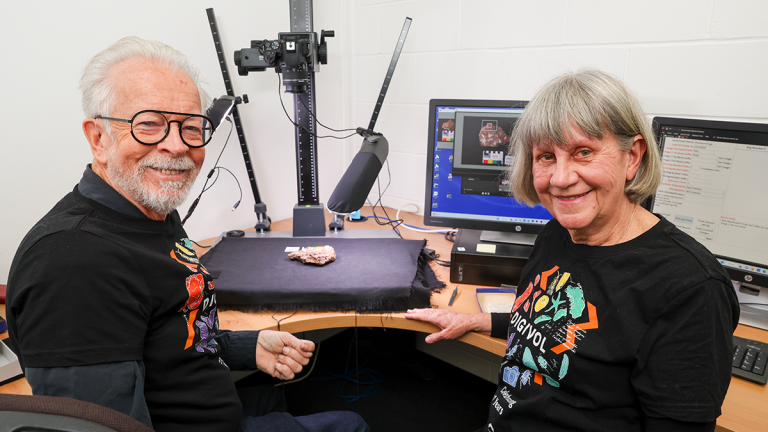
(21, 413)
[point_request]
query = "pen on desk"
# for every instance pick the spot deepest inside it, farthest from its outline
(453, 296)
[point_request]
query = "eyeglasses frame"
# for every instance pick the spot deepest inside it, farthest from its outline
(168, 131)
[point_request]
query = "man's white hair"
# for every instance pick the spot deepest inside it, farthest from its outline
(96, 86)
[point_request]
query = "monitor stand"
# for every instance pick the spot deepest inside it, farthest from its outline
(507, 237)
(753, 301)
(754, 316)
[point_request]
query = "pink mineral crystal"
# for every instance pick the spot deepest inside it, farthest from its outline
(319, 255)
(493, 136)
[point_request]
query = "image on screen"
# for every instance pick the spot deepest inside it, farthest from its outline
(468, 155)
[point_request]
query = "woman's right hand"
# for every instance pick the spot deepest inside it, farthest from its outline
(452, 324)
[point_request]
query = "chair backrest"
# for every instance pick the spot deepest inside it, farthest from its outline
(31, 413)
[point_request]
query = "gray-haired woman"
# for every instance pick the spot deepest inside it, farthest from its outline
(622, 322)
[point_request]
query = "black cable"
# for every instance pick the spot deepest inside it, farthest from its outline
(278, 321)
(436, 257)
(280, 96)
(318, 121)
(215, 179)
(197, 200)
(394, 223)
(238, 186)
(450, 236)
(199, 245)
(388, 221)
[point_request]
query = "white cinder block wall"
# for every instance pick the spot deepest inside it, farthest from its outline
(700, 58)
(690, 58)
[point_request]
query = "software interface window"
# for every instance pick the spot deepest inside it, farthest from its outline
(471, 156)
(713, 190)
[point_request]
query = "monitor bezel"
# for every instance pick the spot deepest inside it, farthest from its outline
(743, 276)
(484, 225)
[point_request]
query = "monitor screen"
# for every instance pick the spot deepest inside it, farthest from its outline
(713, 175)
(467, 158)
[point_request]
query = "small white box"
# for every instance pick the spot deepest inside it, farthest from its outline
(9, 363)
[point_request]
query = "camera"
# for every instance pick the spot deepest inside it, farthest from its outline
(292, 54)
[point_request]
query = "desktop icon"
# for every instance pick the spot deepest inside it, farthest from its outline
(437, 158)
(450, 177)
(434, 194)
(437, 176)
(434, 204)
(449, 195)
(436, 185)
(437, 166)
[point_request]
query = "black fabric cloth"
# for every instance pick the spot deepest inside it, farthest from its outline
(367, 275)
(618, 337)
(91, 285)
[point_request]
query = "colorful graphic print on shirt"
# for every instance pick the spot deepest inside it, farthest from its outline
(549, 318)
(199, 311)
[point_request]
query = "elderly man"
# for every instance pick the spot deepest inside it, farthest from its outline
(107, 301)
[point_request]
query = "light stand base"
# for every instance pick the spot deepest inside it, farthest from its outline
(337, 224)
(308, 220)
(263, 221)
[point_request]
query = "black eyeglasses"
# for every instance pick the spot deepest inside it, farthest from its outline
(151, 127)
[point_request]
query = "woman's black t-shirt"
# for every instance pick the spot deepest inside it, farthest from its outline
(601, 337)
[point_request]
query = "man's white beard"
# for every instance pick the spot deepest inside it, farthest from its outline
(171, 194)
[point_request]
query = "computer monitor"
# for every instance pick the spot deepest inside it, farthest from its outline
(467, 158)
(712, 189)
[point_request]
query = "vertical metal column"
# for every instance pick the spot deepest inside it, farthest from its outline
(306, 142)
(308, 213)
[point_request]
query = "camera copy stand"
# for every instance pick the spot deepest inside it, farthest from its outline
(297, 54)
(308, 213)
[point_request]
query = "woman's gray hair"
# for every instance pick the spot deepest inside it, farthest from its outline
(597, 104)
(96, 85)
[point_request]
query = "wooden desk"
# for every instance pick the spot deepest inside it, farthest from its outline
(745, 408)
(305, 321)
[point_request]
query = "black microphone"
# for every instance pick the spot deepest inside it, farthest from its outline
(356, 183)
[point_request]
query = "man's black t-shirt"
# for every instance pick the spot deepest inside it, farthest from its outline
(600, 338)
(90, 285)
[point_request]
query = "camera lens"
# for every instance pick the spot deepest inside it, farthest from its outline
(295, 80)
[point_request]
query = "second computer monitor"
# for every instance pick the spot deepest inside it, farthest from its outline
(467, 160)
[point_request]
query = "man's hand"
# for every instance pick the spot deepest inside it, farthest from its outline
(452, 323)
(282, 354)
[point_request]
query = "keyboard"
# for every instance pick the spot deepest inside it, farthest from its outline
(749, 359)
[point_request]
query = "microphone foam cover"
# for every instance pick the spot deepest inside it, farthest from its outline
(353, 188)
